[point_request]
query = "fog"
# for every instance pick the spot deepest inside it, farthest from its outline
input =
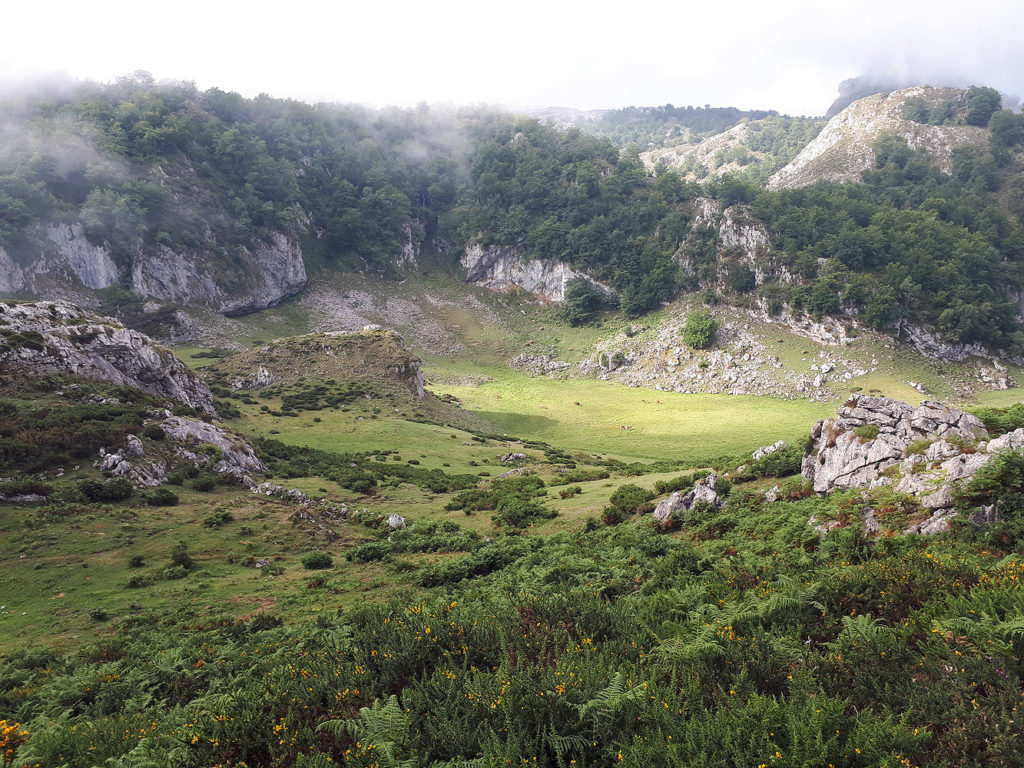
(789, 55)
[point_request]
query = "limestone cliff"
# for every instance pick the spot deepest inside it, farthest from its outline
(503, 268)
(56, 336)
(59, 260)
(845, 146)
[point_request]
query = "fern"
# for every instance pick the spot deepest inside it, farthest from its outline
(385, 726)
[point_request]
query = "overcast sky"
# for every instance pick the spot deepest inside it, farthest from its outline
(787, 55)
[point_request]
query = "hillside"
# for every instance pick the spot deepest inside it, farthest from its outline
(141, 199)
(845, 148)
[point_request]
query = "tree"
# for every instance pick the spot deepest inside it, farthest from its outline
(583, 299)
(982, 103)
(701, 328)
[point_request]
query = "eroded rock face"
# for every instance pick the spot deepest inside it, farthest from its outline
(55, 336)
(234, 456)
(870, 434)
(62, 261)
(925, 451)
(503, 268)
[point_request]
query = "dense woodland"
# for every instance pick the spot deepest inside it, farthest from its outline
(142, 165)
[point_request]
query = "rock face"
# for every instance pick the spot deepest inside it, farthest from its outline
(188, 441)
(925, 451)
(62, 261)
(55, 336)
(232, 454)
(740, 239)
(845, 146)
(503, 268)
(705, 490)
(65, 257)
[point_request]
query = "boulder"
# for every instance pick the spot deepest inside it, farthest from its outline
(706, 490)
(766, 450)
(866, 444)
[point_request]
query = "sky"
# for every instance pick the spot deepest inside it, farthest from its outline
(788, 55)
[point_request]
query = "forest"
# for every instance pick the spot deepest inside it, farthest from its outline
(143, 165)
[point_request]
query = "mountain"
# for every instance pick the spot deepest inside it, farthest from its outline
(845, 148)
(113, 195)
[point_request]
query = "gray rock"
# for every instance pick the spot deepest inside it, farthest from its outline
(841, 459)
(396, 522)
(767, 450)
(705, 490)
(502, 268)
(509, 458)
(1011, 441)
(95, 347)
(237, 456)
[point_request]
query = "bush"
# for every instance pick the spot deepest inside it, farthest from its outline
(317, 561)
(180, 555)
(154, 432)
(701, 328)
(217, 518)
(117, 489)
(204, 483)
(628, 498)
(161, 497)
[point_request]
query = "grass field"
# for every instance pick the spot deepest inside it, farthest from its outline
(662, 425)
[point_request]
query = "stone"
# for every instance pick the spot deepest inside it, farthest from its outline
(705, 490)
(766, 450)
(396, 522)
(94, 347)
(509, 458)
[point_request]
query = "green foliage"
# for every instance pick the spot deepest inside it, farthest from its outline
(117, 489)
(161, 497)
(628, 498)
(583, 300)
(866, 431)
(701, 328)
(316, 561)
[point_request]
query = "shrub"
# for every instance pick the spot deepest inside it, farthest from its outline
(217, 518)
(701, 328)
(161, 497)
(154, 432)
(180, 555)
(866, 431)
(317, 561)
(628, 498)
(204, 483)
(136, 561)
(117, 489)
(366, 553)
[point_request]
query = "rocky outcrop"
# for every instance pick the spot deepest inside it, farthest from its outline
(63, 257)
(188, 442)
(229, 454)
(869, 434)
(707, 157)
(740, 239)
(845, 146)
(370, 355)
(60, 260)
(768, 450)
(924, 451)
(55, 336)
(504, 268)
(706, 490)
(132, 463)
